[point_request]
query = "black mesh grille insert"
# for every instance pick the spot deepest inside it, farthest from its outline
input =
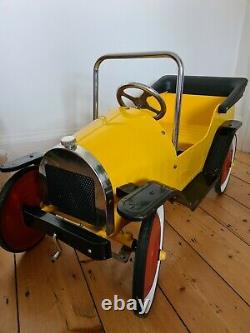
(72, 193)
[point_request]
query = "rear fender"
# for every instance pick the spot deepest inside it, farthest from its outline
(220, 146)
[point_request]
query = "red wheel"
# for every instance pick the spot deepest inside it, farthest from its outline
(147, 262)
(223, 181)
(22, 189)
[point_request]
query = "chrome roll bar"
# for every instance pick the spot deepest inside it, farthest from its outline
(159, 54)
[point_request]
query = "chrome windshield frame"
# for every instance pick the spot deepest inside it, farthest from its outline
(142, 55)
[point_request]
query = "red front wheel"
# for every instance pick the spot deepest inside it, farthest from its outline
(22, 189)
(147, 261)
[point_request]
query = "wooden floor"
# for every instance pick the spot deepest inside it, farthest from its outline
(204, 284)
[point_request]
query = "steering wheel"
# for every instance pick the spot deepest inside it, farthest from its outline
(141, 101)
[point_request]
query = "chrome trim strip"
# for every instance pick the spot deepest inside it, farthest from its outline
(103, 187)
(106, 186)
(156, 54)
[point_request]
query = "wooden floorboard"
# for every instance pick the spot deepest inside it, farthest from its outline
(8, 305)
(241, 171)
(239, 190)
(53, 297)
(230, 213)
(243, 157)
(219, 247)
(200, 296)
(110, 278)
(203, 286)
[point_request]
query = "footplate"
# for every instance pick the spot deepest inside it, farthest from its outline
(144, 201)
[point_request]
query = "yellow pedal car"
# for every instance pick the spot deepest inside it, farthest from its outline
(174, 143)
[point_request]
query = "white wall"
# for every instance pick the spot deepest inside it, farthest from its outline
(243, 69)
(48, 47)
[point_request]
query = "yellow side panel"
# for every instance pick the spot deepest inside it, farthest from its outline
(133, 147)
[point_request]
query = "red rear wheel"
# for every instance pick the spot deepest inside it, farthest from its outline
(147, 262)
(223, 181)
(22, 189)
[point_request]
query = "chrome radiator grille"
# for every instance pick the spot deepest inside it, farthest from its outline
(72, 193)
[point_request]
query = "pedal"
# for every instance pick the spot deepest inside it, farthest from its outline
(58, 252)
(123, 255)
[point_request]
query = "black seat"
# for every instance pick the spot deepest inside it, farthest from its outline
(230, 87)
